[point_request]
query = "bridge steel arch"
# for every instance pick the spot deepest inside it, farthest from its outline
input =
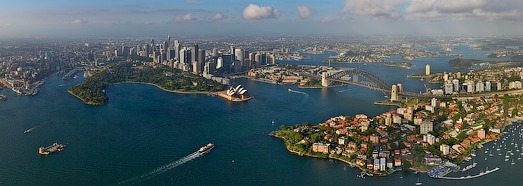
(367, 79)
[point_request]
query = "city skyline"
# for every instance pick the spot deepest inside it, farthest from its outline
(259, 18)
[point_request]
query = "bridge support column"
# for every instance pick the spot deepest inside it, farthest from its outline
(394, 93)
(324, 81)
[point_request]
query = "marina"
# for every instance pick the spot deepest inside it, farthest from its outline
(471, 177)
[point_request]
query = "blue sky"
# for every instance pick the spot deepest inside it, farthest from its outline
(97, 18)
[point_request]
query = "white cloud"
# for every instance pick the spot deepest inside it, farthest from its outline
(466, 9)
(381, 9)
(255, 12)
(459, 6)
(326, 20)
(305, 11)
(78, 21)
(419, 6)
(184, 18)
(219, 16)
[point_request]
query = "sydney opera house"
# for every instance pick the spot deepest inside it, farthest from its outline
(235, 94)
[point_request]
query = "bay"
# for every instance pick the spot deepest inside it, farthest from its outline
(142, 131)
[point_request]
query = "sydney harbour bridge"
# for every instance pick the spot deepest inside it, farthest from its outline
(365, 79)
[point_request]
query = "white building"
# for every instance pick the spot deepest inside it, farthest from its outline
(480, 87)
(455, 84)
(488, 86)
(383, 164)
(448, 88)
(426, 127)
(445, 149)
(429, 138)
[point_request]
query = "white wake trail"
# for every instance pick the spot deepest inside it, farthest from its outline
(161, 169)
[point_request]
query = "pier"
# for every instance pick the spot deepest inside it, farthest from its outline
(471, 177)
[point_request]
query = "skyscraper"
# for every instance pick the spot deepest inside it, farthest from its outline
(427, 69)
(182, 56)
(177, 48)
(194, 53)
(257, 60)
(219, 63)
(201, 59)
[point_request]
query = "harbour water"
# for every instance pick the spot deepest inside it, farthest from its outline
(142, 129)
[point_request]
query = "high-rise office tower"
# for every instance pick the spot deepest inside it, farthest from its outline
(201, 59)
(153, 46)
(219, 63)
(271, 59)
(232, 51)
(168, 40)
(177, 48)
(258, 60)
(183, 56)
(147, 50)
(194, 53)
(427, 69)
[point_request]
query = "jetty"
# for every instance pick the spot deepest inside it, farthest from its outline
(470, 177)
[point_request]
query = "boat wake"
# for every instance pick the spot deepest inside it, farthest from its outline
(299, 92)
(161, 169)
(31, 129)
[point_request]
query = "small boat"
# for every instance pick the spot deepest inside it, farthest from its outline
(290, 90)
(27, 131)
(273, 122)
(206, 148)
(512, 162)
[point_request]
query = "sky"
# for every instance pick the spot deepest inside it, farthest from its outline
(136, 18)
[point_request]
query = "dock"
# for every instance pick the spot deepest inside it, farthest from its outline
(471, 177)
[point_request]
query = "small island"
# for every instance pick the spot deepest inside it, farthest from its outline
(92, 90)
(406, 65)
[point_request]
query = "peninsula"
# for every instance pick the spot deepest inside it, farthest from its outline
(406, 65)
(416, 137)
(92, 90)
(422, 133)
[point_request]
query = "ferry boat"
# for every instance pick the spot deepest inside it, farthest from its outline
(206, 148)
(55, 147)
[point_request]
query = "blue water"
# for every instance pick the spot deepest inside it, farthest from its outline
(146, 131)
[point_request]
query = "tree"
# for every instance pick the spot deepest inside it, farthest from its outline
(461, 136)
